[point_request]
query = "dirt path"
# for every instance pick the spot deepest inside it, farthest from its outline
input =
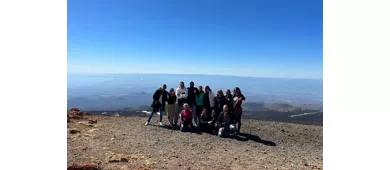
(126, 143)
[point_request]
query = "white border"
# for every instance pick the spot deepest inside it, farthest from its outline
(33, 84)
(356, 119)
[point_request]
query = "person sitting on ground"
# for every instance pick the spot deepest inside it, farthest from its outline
(159, 99)
(171, 106)
(205, 117)
(219, 102)
(224, 122)
(185, 118)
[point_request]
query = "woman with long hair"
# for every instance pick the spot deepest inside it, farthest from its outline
(181, 96)
(229, 99)
(219, 102)
(171, 105)
(238, 97)
(208, 100)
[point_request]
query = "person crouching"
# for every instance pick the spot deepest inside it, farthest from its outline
(224, 123)
(185, 118)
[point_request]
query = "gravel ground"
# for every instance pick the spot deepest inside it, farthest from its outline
(115, 143)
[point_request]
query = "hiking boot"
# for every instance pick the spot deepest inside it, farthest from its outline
(160, 123)
(147, 123)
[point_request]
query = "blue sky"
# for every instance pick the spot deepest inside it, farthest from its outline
(260, 38)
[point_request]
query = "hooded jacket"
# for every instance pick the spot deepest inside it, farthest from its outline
(157, 94)
(181, 94)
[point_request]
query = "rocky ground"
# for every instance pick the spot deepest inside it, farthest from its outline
(118, 142)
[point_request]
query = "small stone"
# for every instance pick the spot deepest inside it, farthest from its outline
(73, 131)
(283, 130)
(306, 164)
(92, 121)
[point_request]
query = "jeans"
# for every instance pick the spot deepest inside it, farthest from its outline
(193, 108)
(224, 130)
(156, 108)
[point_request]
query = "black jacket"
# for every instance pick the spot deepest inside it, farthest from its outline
(192, 91)
(206, 100)
(220, 101)
(224, 120)
(158, 93)
(229, 100)
(171, 99)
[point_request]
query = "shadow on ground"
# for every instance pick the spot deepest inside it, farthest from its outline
(240, 137)
(193, 130)
(247, 137)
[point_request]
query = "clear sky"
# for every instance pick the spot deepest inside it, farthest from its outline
(261, 38)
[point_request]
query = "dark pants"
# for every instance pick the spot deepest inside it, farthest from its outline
(184, 127)
(216, 115)
(198, 110)
(157, 107)
(223, 130)
(237, 119)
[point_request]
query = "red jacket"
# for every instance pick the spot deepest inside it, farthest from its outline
(186, 114)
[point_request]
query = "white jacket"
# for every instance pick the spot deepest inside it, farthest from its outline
(180, 95)
(211, 98)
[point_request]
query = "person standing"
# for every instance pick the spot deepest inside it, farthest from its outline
(220, 102)
(229, 99)
(181, 97)
(171, 105)
(159, 99)
(199, 105)
(191, 99)
(238, 97)
(208, 100)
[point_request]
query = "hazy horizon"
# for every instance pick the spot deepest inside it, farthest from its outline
(115, 91)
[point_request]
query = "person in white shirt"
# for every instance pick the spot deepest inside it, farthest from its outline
(181, 96)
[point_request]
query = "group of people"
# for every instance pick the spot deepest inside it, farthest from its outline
(194, 108)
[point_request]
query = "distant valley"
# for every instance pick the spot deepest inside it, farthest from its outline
(133, 92)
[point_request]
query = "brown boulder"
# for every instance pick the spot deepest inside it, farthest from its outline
(84, 166)
(92, 121)
(74, 110)
(73, 131)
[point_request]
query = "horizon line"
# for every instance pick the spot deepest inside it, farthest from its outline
(193, 74)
